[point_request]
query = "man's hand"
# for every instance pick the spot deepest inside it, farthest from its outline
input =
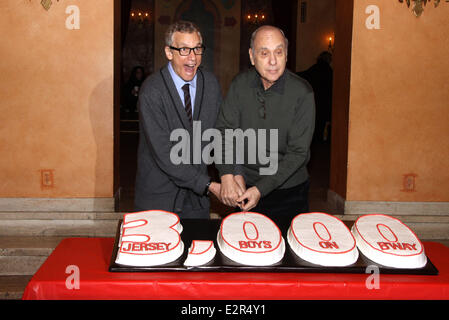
(252, 195)
(215, 188)
(241, 182)
(230, 190)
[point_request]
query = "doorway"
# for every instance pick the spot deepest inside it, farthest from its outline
(137, 20)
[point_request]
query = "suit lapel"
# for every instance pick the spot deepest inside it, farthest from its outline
(175, 98)
(198, 95)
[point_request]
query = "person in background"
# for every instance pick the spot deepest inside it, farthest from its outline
(269, 96)
(320, 77)
(178, 96)
(131, 90)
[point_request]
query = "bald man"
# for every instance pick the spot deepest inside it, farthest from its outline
(268, 97)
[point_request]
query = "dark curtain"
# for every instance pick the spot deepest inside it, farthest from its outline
(284, 13)
(125, 13)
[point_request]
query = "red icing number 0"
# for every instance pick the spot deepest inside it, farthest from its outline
(256, 232)
(323, 227)
(250, 239)
(383, 233)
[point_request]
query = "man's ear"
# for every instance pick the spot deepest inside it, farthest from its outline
(251, 56)
(168, 53)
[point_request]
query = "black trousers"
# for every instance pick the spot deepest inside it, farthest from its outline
(189, 212)
(285, 203)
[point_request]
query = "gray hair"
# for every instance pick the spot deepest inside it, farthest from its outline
(180, 26)
(253, 36)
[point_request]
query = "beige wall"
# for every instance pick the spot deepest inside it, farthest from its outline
(313, 35)
(56, 98)
(399, 111)
(227, 44)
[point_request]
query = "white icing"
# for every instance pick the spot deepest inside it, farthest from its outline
(251, 239)
(149, 238)
(389, 242)
(200, 253)
(322, 239)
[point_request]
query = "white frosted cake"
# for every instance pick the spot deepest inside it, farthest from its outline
(251, 239)
(389, 242)
(322, 239)
(149, 238)
(200, 253)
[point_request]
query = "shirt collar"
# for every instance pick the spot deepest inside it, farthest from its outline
(179, 82)
(277, 87)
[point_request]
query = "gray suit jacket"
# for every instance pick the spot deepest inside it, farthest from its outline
(160, 184)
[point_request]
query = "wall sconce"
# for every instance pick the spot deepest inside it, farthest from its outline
(418, 5)
(46, 4)
(331, 45)
(140, 17)
(256, 19)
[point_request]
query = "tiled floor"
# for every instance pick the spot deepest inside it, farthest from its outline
(12, 287)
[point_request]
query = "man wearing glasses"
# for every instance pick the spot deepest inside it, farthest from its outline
(176, 97)
(269, 96)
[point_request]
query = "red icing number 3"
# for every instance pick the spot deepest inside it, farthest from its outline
(154, 234)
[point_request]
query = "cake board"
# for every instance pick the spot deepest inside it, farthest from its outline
(203, 229)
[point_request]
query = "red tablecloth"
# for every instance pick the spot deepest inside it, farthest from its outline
(92, 256)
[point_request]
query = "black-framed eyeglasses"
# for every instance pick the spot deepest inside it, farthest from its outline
(185, 51)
